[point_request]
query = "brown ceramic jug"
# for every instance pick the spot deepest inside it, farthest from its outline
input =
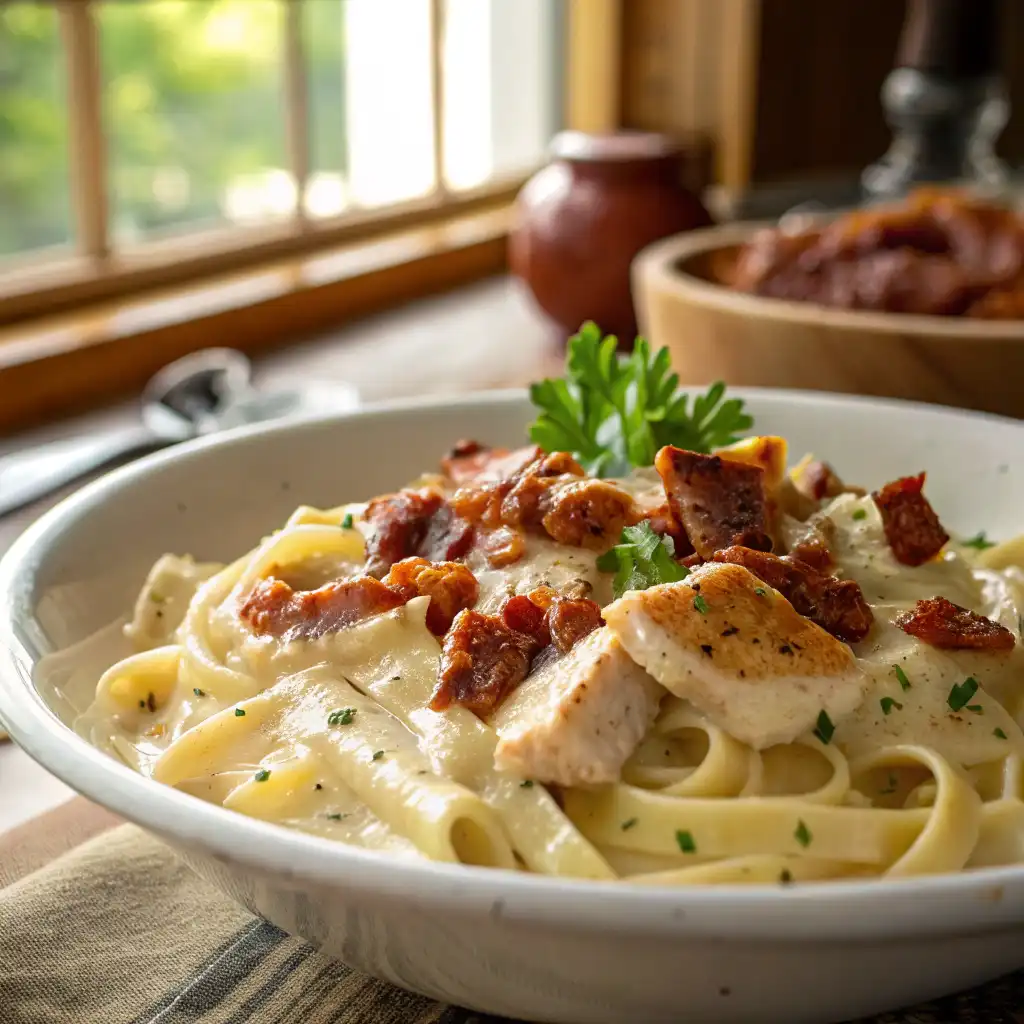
(582, 219)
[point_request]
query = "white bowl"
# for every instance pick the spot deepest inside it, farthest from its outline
(520, 945)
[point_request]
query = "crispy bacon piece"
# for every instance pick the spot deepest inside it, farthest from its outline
(663, 523)
(943, 624)
(911, 525)
(570, 620)
(550, 494)
(818, 480)
(274, 609)
(525, 615)
(813, 544)
(719, 503)
(586, 513)
(482, 662)
(413, 523)
(838, 606)
(503, 546)
(449, 585)
(467, 459)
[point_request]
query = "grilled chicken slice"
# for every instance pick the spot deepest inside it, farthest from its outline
(577, 718)
(738, 651)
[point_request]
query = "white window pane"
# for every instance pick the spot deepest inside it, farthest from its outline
(502, 86)
(193, 104)
(323, 30)
(34, 180)
(388, 110)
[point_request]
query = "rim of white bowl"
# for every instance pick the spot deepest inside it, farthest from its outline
(981, 900)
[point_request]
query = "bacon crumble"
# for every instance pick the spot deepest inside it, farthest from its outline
(482, 662)
(503, 546)
(911, 526)
(451, 587)
(838, 606)
(273, 608)
(940, 623)
(718, 502)
(468, 459)
(413, 523)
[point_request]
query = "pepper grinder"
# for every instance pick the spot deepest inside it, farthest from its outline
(944, 100)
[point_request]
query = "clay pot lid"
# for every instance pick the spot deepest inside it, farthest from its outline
(615, 147)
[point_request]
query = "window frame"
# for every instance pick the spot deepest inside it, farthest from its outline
(96, 271)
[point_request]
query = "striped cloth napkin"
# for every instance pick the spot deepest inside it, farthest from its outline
(102, 924)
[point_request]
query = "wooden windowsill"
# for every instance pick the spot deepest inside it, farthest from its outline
(57, 365)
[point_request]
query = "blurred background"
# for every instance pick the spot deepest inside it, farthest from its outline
(289, 175)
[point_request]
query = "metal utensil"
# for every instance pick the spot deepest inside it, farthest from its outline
(197, 395)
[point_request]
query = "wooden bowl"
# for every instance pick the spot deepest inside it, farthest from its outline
(715, 333)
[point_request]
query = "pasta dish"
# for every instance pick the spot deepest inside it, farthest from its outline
(637, 648)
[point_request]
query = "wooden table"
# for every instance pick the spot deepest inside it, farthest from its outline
(484, 336)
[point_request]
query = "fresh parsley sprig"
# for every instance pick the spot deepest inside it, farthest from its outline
(641, 560)
(614, 412)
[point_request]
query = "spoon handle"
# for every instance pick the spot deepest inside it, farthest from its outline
(35, 472)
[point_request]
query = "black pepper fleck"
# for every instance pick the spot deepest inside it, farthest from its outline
(731, 631)
(786, 649)
(707, 649)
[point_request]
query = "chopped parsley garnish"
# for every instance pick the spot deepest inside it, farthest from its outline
(142, 703)
(198, 692)
(526, 784)
(887, 704)
(979, 542)
(785, 877)
(346, 522)
(901, 677)
(262, 775)
(614, 412)
(961, 693)
(335, 817)
(976, 708)
(802, 833)
(628, 824)
(760, 591)
(641, 559)
(377, 755)
(998, 733)
(859, 513)
(239, 712)
(343, 716)
(824, 729)
(685, 842)
(700, 604)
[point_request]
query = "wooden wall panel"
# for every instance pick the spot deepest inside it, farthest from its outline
(785, 88)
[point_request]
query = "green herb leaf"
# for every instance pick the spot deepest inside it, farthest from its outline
(628, 824)
(760, 591)
(198, 692)
(641, 560)
(346, 522)
(262, 775)
(998, 733)
(615, 411)
(785, 877)
(335, 817)
(802, 833)
(979, 542)
(976, 709)
(343, 716)
(686, 843)
(824, 728)
(700, 604)
(901, 678)
(888, 704)
(961, 693)
(377, 755)
(859, 513)
(239, 712)
(526, 784)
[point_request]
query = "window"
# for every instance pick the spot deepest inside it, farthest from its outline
(146, 141)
